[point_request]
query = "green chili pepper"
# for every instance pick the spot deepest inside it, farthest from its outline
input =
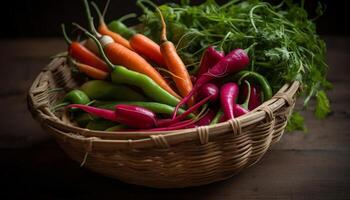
(72, 97)
(119, 27)
(118, 127)
(102, 90)
(76, 97)
(150, 88)
(158, 108)
(100, 124)
(256, 78)
(217, 117)
(82, 119)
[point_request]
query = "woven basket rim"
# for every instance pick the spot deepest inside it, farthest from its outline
(163, 139)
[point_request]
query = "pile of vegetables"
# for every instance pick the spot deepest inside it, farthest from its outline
(192, 65)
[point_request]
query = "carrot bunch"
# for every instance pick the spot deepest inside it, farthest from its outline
(133, 54)
(85, 60)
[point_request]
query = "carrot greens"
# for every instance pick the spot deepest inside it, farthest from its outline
(282, 41)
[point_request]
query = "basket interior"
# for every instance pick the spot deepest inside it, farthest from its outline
(61, 79)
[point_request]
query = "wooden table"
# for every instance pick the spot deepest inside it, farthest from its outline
(315, 165)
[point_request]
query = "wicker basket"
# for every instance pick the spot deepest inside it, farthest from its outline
(170, 159)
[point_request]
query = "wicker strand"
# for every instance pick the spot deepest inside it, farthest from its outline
(286, 97)
(269, 113)
(236, 126)
(40, 88)
(270, 117)
(88, 150)
(160, 141)
(203, 134)
(130, 143)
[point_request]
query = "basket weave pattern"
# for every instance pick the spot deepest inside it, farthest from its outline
(170, 159)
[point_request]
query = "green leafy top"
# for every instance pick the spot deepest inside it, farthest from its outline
(280, 39)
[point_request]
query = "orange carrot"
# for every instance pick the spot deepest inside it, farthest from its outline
(175, 65)
(83, 54)
(145, 46)
(121, 55)
(91, 72)
(104, 30)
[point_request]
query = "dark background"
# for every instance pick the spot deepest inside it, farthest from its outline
(41, 18)
(315, 165)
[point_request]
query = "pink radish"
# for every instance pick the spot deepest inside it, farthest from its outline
(210, 57)
(235, 61)
(238, 110)
(242, 109)
(228, 96)
(209, 89)
(207, 118)
(132, 116)
(139, 117)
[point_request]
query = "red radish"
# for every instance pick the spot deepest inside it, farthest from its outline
(182, 122)
(242, 109)
(99, 112)
(207, 118)
(235, 61)
(189, 126)
(132, 116)
(138, 116)
(167, 122)
(193, 78)
(209, 92)
(180, 125)
(255, 97)
(228, 96)
(209, 89)
(238, 110)
(222, 118)
(210, 57)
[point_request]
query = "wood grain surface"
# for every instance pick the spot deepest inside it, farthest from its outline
(315, 165)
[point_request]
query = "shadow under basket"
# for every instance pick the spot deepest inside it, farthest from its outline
(168, 159)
